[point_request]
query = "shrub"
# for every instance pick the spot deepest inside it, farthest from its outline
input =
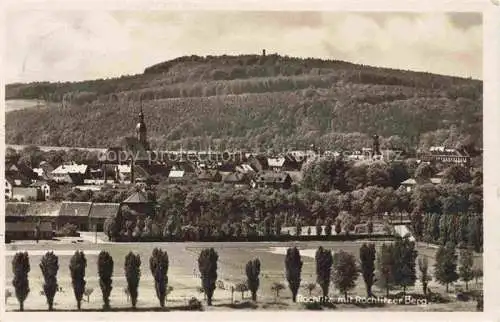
(194, 304)
(315, 306)
(463, 297)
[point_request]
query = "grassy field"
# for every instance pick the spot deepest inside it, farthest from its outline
(183, 275)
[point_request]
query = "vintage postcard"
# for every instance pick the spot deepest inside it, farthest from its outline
(245, 160)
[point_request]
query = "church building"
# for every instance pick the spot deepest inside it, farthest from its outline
(134, 157)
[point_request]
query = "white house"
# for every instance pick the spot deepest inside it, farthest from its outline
(8, 189)
(176, 174)
(70, 173)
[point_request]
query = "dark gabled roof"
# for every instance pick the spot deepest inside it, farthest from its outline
(257, 161)
(27, 226)
(235, 177)
(26, 171)
(44, 209)
(140, 171)
(272, 177)
(75, 209)
(16, 209)
(40, 183)
(12, 177)
(104, 210)
(9, 180)
(161, 169)
(137, 197)
(185, 166)
(209, 175)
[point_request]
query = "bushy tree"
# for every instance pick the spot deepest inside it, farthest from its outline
(405, 257)
(465, 269)
(425, 277)
(133, 276)
(77, 266)
(49, 266)
(367, 255)
(345, 271)
(478, 273)
(252, 270)
(310, 287)
(424, 173)
(20, 269)
(445, 267)
(325, 174)
(277, 288)
(324, 261)
(242, 288)
(88, 291)
(293, 268)
(105, 267)
(111, 228)
(207, 265)
(457, 174)
(158, 263)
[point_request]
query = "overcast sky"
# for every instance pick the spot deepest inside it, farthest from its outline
(78, 45)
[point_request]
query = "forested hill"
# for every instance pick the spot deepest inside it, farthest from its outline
(248, 101)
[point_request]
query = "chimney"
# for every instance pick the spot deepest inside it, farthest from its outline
(263, 52)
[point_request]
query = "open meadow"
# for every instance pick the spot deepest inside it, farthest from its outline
(183, 276)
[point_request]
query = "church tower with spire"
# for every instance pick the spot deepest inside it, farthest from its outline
(141, 131)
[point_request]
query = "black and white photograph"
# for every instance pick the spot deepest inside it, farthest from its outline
(244, 161)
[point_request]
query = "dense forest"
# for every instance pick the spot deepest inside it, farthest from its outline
(253, 101)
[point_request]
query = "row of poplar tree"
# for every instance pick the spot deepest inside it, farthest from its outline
(394, 265)
(462, 229)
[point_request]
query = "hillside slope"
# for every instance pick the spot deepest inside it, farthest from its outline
(250, 101)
